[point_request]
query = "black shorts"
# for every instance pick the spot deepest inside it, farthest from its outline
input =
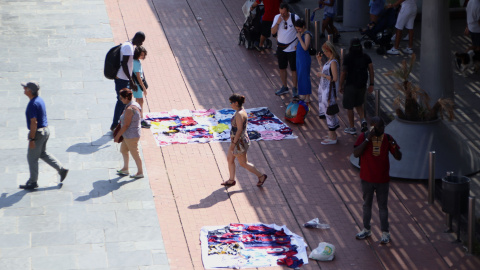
(353, 96)
(475, 39)
(287, 58)
(266, 29)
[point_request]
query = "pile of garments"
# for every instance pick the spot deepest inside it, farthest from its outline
(251, 245)
(204, 126)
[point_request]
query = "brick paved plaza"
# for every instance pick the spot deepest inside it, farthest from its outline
(98, 220)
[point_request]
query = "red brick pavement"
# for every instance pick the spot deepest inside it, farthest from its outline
(194, 62)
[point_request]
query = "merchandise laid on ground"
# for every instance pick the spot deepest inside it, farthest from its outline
(251, 245)
(204, 126)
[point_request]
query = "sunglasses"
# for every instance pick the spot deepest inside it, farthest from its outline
(286, 26)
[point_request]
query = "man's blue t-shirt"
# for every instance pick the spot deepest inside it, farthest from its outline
(36, 109)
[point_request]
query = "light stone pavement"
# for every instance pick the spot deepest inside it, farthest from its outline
(96, 220)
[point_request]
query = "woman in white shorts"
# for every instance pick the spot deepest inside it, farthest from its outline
(406, 19)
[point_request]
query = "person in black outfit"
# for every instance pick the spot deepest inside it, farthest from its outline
(353, 79)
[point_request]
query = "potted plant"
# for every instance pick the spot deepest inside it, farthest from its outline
(414, 104)
(419, 130)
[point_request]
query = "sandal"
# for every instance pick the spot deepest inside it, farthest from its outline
(260, 182)
(229, 183)
(122, 173)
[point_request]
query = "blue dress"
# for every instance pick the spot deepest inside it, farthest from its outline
(304, 61)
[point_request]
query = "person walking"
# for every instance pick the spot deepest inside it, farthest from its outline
(372, 148)
(405, 19)
(327, 89)
(286, 42)
(473, 24)
(271, 9)
(328, 17)
(303, 60)
(140, 54)
(37, 123)
(124, 78)
(240, 143)
(353, 79)
(130, 131)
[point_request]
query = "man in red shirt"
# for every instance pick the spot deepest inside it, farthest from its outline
(271, 9)
(372, 148)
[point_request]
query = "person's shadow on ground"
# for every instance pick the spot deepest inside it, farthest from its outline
(7, 201)
(217, 196)
(89, 148)
(104, 187)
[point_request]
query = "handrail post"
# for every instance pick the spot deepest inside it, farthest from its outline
(471, 223)
(431, 177)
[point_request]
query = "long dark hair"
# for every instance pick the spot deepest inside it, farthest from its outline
(355, 47)
(299, 23)
(237, 98)
(138, 51)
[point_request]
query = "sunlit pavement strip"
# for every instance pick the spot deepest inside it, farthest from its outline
(96, 220)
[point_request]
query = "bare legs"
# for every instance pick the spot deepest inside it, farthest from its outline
(140, 102)
(131, 146)
(398, 36)
(243, 161)
(327, 24)
(262, 40)
(351, 116)
(283, 77)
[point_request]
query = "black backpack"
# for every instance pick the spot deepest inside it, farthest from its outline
(112, 62)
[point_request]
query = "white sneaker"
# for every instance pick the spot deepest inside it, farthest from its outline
(352, 131)
(408, 50)
(385, 238)
(328, 141)
(393, 51)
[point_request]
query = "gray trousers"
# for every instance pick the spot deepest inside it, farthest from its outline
(381, 189)
(40, 152)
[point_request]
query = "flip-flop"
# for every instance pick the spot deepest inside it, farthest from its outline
(229, 183)
(260, 182)
(136, 176)
(122, 173)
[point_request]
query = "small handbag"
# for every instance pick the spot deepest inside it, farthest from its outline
(115, 132)
(332, 109)
(145, 82)
(311, 49)
(134, 76)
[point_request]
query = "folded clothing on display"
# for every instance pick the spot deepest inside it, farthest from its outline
(240, 245)
(204, 126)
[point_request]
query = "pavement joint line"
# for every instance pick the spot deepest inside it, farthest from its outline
(123, 20)
(189, 90)
(425, 233)
(209, 46)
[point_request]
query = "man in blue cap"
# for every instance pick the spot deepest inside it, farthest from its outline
(37, 123)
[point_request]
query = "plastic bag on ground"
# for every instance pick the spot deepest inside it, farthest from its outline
(324, 252)
(315, 223)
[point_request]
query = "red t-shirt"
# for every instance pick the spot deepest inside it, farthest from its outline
(375, 169)
(271, 9)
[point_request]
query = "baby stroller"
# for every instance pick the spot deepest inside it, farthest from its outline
(381, 33)
(251, 29)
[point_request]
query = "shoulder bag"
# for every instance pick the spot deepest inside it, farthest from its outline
(332, 109)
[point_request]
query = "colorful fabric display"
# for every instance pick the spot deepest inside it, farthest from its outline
(204, 126)
(250, 246)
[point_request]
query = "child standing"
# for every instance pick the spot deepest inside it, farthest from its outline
(139, 54)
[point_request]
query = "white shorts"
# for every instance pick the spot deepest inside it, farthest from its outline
(406, 17)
